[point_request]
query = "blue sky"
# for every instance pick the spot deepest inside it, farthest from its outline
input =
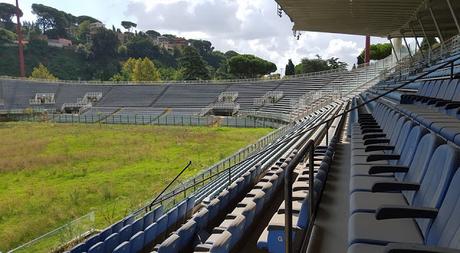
(241, 25)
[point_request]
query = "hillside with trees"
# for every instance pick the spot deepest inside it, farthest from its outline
(72, 47)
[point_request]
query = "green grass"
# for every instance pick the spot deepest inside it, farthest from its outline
(53, 173)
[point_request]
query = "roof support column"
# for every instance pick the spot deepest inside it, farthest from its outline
(407, 45)
(394, 50)
(416, 40)
(437, 29)
(453, 15)
(426, 38)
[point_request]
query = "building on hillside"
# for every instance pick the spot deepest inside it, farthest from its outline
(93, 27)
(169, 43)
(59, 43)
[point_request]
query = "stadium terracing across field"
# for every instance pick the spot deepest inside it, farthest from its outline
(363, 160)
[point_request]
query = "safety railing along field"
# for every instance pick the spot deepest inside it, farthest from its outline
(188, 82)
(135, 119)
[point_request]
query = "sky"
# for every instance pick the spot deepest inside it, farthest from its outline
(246, 26)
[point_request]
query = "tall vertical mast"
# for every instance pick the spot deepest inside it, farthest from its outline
(20, 43)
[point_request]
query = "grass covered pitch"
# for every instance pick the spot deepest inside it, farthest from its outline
(53, 173)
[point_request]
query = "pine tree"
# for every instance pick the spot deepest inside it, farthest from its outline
(290, 68)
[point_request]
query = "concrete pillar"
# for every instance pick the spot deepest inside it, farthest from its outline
(397, 44)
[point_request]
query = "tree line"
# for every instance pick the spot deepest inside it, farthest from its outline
(99, 53)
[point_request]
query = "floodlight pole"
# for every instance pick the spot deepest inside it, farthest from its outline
(20, 44)
(453, 15)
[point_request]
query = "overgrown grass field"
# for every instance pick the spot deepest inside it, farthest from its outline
(53, 173)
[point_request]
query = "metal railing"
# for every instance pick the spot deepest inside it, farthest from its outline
(135, 119)
(54, 239)
(191, 82)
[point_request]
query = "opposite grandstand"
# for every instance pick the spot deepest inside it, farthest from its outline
(357, 160)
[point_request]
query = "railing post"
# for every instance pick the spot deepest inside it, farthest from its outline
(288, 211)
(311, 184)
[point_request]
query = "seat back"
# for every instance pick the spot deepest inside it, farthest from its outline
(450, 92)
(111, 242)
(397, 130)
(401, 140)
(408, 152)
(122, 248)
(422, 89)
(456, 96)
(441, 168)
(170, 245)
(443, 88)
(445, 230)
(137, 242)
(420, 161)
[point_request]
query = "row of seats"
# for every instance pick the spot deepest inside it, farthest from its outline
(404, 186)
(442, 120)
(230, 231)
(196, 230)
(135, 234)
(103, 236)
(272, 239)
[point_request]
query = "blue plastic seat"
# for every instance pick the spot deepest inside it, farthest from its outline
(181, 211)
(97, 248)
(105, 233)
(92, 240)
(186, 233)
(148, 219)
(111, 242)
(364, 228)
(158, 212)
(201, 218)
(117, 227)
(170, 245)
(137, 225)
(79, 248)
(150, 233)
(122, 248)
(125, 233)
(137, 242)
(162, 225)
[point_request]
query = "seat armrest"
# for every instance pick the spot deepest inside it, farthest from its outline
(394, 186)
(441, 103)
(373, 136)
(375, 141)
(378, 169)
(218, 230)
(373, 158)
(416, 248)
(386, 212)
(452, 105)
(378, 148)
(365, 131)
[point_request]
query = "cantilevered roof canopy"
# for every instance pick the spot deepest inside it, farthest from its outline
(373, 17)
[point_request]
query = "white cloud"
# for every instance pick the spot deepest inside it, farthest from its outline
(245, 26)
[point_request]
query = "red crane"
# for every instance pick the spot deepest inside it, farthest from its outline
(22, 71)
